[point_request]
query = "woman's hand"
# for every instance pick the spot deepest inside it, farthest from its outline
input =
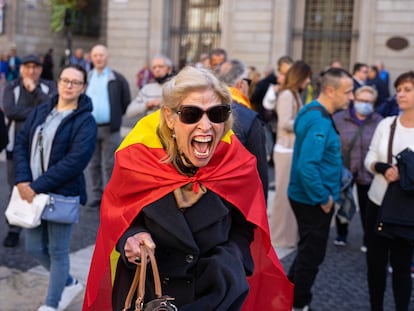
(132, 246)
(392, 174)
(26, 192)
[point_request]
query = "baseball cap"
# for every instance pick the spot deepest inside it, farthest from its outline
(31, 59)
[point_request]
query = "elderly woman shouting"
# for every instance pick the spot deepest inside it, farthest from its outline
(184, 186)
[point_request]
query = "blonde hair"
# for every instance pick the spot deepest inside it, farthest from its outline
(369, 89)
(189, 79)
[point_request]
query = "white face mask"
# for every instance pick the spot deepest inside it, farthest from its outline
(363, 108)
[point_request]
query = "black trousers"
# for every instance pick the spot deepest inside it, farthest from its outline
(313, 225)
(381, 249)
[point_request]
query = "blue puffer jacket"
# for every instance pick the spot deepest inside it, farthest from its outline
(73, 146)
(317, 164)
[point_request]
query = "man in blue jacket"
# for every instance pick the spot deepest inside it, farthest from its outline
(315, 179)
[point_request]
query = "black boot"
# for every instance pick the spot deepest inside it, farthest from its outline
(11, 240)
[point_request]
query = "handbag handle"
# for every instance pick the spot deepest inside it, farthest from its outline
(138, 283)
(391, 140)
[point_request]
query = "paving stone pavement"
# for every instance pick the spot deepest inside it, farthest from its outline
(341, 283)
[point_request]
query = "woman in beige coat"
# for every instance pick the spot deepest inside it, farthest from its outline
(283, 227)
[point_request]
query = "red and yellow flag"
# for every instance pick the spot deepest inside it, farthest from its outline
(139, 178)
(239, 97)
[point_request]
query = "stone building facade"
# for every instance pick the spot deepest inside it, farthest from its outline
(257, 32)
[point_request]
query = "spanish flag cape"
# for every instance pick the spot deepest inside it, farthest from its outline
(239, 97)
(139, 178)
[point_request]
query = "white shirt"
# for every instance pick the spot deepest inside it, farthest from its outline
(378, 152)
(269, 100)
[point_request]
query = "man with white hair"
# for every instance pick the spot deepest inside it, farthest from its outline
(149, 97)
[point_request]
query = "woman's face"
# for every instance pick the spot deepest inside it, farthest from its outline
(281, 75)
(70, 84)
(197, 141)
(364, 104)
(405, 95)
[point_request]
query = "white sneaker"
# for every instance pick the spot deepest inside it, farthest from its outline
(69, 293)
(46, 308)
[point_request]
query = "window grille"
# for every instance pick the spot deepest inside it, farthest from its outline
(87, 20)
(327, 34)
(196, 29)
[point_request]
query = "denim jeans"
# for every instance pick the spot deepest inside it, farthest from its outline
(50, 245)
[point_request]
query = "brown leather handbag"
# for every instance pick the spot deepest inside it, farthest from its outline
(161, 303)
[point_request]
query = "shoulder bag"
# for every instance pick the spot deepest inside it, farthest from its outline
(396, 213)
(346, 202)
(21, 213)
(161, 303)
(405, 163)
(62, 209)
(59, 208)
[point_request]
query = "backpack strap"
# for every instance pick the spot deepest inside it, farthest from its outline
(325, 114)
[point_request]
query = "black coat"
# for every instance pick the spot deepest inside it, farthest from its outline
(260, 92)
(203, 254)
(249, 129)
(382, 90)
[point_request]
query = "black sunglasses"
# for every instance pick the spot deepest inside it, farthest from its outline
(193, 114)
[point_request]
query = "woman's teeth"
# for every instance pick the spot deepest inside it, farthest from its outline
(201, 146)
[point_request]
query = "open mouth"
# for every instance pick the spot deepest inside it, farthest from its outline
(202, 145)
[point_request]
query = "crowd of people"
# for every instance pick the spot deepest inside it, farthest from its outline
(190, 180)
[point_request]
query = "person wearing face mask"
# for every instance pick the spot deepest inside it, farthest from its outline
(149, 97)
(356, 126)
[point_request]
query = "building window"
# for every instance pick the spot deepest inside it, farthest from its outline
(195, 29)
(82, 17)
(86, 21)
(327, 34)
